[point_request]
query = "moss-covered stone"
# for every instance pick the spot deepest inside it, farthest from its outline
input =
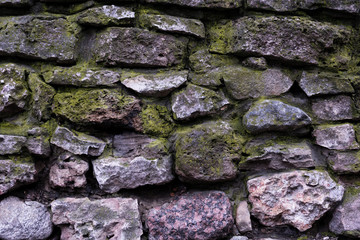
(221, 4)
(157, 120)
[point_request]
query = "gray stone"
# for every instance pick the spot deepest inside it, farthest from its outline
(15, 3)
(107, 15)
(39, 37)
(297, 198)
(138, 48)
(10, 144)
(16, 172)
(244, 83)
(346, 219)
(243, 221)
(166, 23)
(138, 160)
(207, 152)
(77, 143)
(258, 63)
(24, 220)
(337, 137)
(274, 115)
(38, 141)
(295, 39)
(198, 215)
(228, 4)
(157, 84)
(195, 101)
(315, 84)
(343, 162)
(81, 218)
(82, 76)
(333, 108)
(13, 89)
(239, 238)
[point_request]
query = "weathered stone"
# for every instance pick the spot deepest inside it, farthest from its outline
(195, 101)
(42, 97)
(243, 221)
(77, 143)
(15, 3)
(239, 238)
(16, 172)
(297, 40)
(315, 84)
(333, 108)
(199, 215)
(298, 198)
(166, 23)
(107, 15)
(99, 107)
(13, 89)
(338, 137)
(274, 115)
(138, 48)
(207, 152)
(40, 37)
(24, 220)
(344, 162)
(10, 144)
(82, 76)
(156, 84)
(157, 121)
(81, 218)
(258, 63)
(244, 83)
(228, 4)
(346, 219)
(68, 171)
(38, 142)
(138, 160)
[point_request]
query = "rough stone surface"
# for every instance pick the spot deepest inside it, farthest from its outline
(16, 172)
(207, 152)
(138, 48)
(239, 238)
(199, 215)
(244, 83)
(166, 23)
(38, 142)
(274, 115)
(346, 219)
(107, 15)
(297, 198)
(39, 37)
(291, 39)
(315, 84)
(81, 218)
(82, 76)
(344, 162)
(333, 108)
(196, 101)
(338, 137)
(15, 3)
(13, 89)
(68, 171)
(99, 107)
(258, 63)
(243, 221)
(202, 3)
(138, 160)
(24, 220)
(10, 144)
(157, 84)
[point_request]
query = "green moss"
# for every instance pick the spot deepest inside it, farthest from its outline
(157, 121)
(302, 238)
(221, 35)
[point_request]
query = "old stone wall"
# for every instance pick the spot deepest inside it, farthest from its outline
(179, 119)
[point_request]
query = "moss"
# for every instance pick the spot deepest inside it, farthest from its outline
(302, 238)
(157, 121)
(14, 129)
(221, 35)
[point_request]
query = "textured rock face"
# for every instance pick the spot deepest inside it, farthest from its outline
(13, 89)
(291, 39)
(38, 142)
(77, 143)
(81, 218)
(24, 220)
(344, 162)
(15, 3)
(207, 152)
(45, 38)
(157, 84)
(333, 108)
(298, 198)
(195, 101)
(274, 115)
(338, 137)
(98, 106)
(243, 221)
(138, 160)
(200, 215)
(138, 48)
(11, 144)
(202, 3)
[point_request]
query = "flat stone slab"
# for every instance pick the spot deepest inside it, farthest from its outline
(344, 162)
(81, 218)
(228, 4)
(333, 108)
(10, 144)
(199, 215)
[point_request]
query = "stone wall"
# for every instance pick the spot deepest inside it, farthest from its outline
(179, 119)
